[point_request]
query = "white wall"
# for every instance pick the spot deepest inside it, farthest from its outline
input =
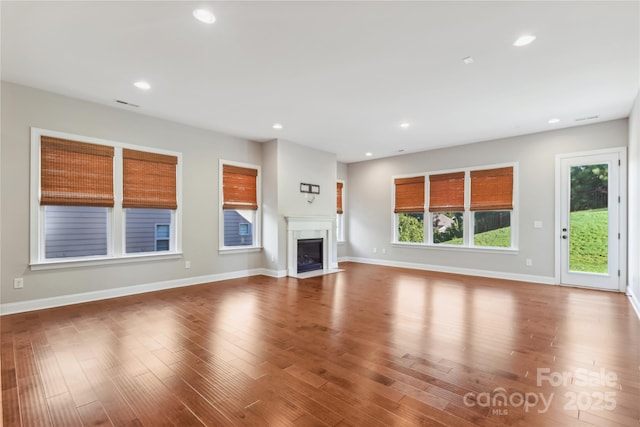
(634, 203)
(270, 214)
(23, 107)
(303, 164)
(370, 204)
(368, 219)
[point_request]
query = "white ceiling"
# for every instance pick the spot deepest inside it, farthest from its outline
(339, 76)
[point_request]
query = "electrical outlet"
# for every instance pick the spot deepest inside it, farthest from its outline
(384, 251)
(529, 262)
(187, 264)
(375, 250)
(18, 283)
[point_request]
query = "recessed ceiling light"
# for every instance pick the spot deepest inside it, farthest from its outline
(468, 60)
(405, 125)
(368, 154)
(277, 126)
(203, 15)
(554, 121)
(142, 85)
(524, 40)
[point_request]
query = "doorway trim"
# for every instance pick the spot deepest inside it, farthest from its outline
(622, 214)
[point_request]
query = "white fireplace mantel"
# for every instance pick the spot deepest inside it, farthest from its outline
(311, 227)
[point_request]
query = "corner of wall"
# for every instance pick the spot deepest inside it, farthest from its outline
(633, 253)
(634, 298)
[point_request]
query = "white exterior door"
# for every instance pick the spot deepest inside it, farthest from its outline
(590, 220)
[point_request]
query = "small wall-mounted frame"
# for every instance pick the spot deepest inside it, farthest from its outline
(309, 188)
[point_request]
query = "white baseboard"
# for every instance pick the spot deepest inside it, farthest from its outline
(635, 301)
(271, 273)
(43, 303)
(457, 270)
(39, 304)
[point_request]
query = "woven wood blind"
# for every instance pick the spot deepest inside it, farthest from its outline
(409, 194)
(446, 192)
(492, 189)
(75, 173)
(239, 188)
(339, 188)
(149, 180)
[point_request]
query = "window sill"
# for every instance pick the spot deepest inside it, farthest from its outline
(457, 248)
(238, 250)
(78, 263)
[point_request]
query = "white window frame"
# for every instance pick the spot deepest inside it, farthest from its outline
(257, 226)
(116, 241)
(340, 232)
(468, 224)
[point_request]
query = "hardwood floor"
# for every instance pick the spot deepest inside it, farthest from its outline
(370, 346)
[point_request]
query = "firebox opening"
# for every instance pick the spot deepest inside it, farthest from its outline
(309, 255)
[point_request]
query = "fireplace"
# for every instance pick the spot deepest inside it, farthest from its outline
(311, 246)
(310, 255)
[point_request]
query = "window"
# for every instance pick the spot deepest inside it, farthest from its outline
(149, 198)
(76, 191)
(491, 205)
(481, 198)
(76, 186)
(163, 237)
(446, 207)
(147, 230)
(409, 209)
(75, 231)
(240, 195)
(149, 180)
(244, 229)
(340, 211)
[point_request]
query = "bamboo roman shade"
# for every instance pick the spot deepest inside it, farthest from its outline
(75, 173)
(446, 192)
(409, 194)
(339, 188)
(492, 189)
(239, 187)
(149, 180)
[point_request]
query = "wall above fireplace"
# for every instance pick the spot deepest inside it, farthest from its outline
(285, 165)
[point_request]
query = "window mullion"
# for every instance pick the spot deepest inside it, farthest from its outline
(117, 214)
(467, 229)
(427, 223)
